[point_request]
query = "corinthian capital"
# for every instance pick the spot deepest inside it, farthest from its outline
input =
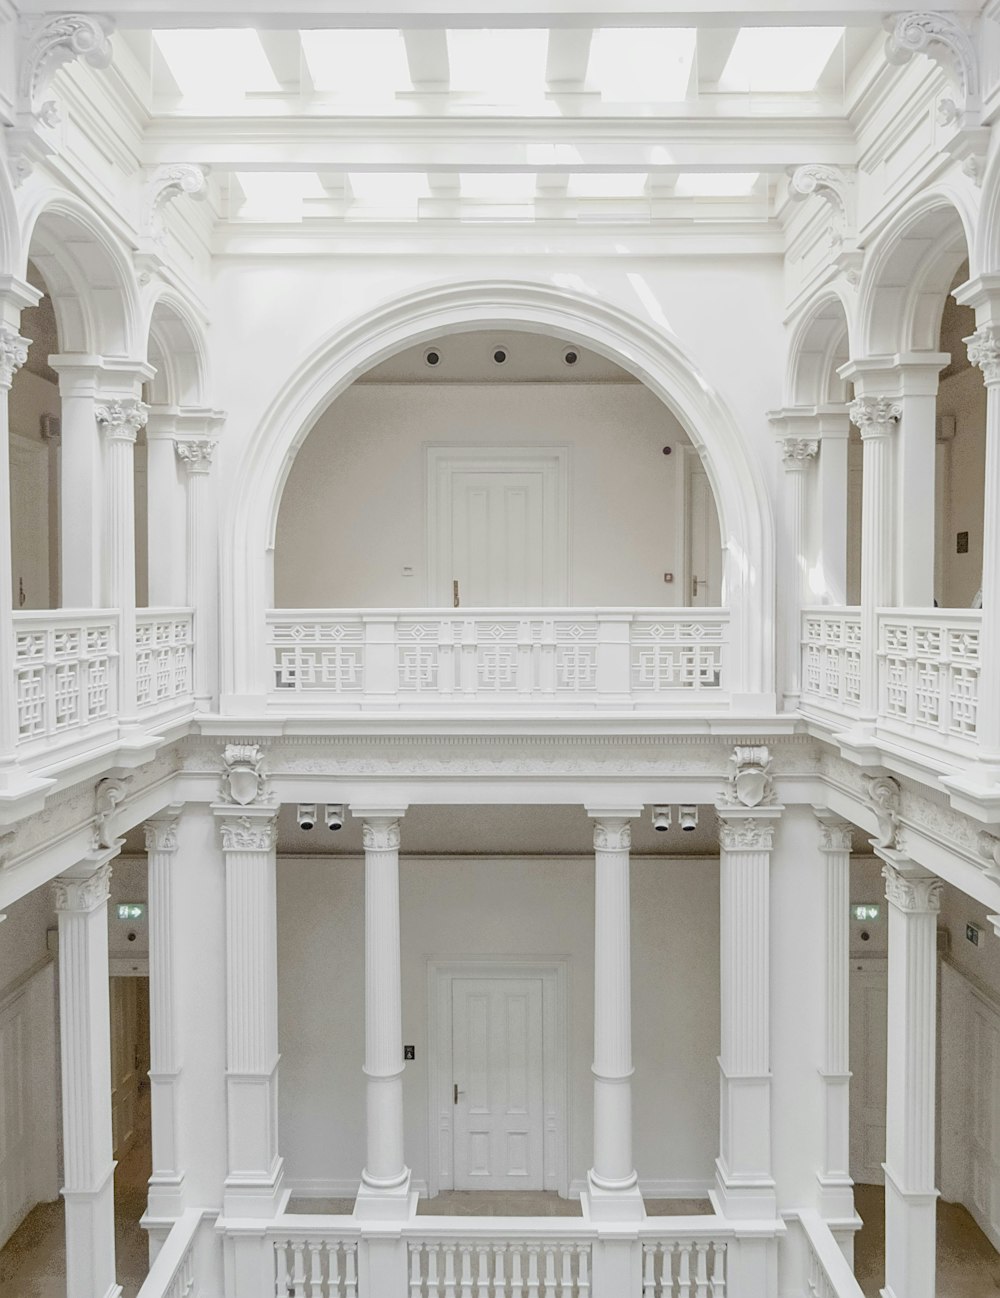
(161, 834)
(195, 453)
(984, 351)
(249, 833)
(120, 421)
(875, 416)
(914, 893)
(745, 834)
(13, 354)
(47, 45)
(796, 452)
(85, 893)
(380, 835)
(612, 834)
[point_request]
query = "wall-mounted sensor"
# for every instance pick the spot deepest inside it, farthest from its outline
(335, 815)
(306, 815)
(570, 356)
(500, 355)
(661, 819)
(432, 356)
(687, 817)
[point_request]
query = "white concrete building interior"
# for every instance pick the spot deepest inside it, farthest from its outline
(499, 649)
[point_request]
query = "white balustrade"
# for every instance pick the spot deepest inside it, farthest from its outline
(828, 1272)
(164, 642)
(831, 658)
(65, 673)
(684, 1268)
(314, 1263)
(576, 657)
(174, 1273)
(473, 1267)
(929, 670)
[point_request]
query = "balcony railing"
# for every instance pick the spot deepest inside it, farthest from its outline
(831, 658)
(929, 671)
(164, 648)
(416, 658)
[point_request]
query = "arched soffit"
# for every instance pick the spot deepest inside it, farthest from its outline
(175, 348)
(908, 274)
(88, 276)
(651, 355)
(987, 245)
(10, 259)
(820, 343)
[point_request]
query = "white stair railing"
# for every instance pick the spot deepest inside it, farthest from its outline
(174, 1273)
(829, 1274)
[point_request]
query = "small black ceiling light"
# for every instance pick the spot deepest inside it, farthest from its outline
(432, 356)
(500, 355)
(570, 356)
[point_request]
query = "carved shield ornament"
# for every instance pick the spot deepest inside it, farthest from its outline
(751, 784)
(243, 785)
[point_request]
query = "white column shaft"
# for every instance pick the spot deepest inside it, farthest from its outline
(201, 570)
(831, 506)
(13, 354)
(613, 1164)
(984, 351)
(836, 1193)
(798, 453)
(81, 497)
(910, 1194)
(877, 419)
(165, 515)
(119, 549)
(915, 451)
(85, 1036)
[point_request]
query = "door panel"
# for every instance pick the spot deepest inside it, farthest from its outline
(497, 538)
(868, 1058)
(704, 543)
(497, 1060)
(124, 1055)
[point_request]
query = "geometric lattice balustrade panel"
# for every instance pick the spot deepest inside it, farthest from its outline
(831, 657)
(405, 657)
(163, 657)
(65, 673)
(929, 671)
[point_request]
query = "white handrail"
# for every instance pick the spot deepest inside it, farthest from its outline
(174, 1274)
(830, 1275)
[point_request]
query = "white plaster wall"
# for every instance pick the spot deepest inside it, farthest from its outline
(963, 397)
(354, 510)
(459, 907)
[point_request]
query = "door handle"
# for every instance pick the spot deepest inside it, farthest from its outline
(455, 602)
(457, 1092)
(695, 583)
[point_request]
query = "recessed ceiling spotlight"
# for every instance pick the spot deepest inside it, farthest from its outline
(500, 355)
(432, 356)
(571, 356)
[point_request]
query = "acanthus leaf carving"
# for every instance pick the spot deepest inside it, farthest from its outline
(875, 416)
(107, 796)
(13, 354)
(161, 834)
(834, 187)
(249, 833)
(121, 419)
(750, 783)
(49, 44)
(85, 893)
(984, 351)
(195, 453)
(612, 835)
(745, 834)
(836, 836)
(797, 452)
(942, 38)
(914, 893)
(989, 851)
(883, 799)
(243, 778)
(380, 835)
(164, 185)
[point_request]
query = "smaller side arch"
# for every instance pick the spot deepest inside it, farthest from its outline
(175, 346)
(820, 343)
(10, 258)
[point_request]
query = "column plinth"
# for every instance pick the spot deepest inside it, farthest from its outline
(744, 1184)
(81, 903)
(254, 1177)
(384, 1193)
(612, 1183)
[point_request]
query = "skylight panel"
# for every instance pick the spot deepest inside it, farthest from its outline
(498, 186)
(607, 184)
(216, 64)
(396, 192)
(357, 64)
(506, 65)
(716, 184)
(779, 60)
(277, 195)
(633, 64)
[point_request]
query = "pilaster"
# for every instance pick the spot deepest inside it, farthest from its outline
(612, 1183)
(914, 898)
(81, 903)
(254, 1178)
(797, 455)
(195, 450)
(165, 510)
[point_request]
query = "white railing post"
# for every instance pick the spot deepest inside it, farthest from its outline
(381, 675)
(614, 657)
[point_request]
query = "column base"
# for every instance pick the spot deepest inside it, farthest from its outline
(166, 1196)
(910, 1241)
(90, 1240)
(751, 1197)
(602, 1202)
(836, 1199)
(386, 1202)
(246, 1195)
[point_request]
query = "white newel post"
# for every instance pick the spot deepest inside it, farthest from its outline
(120, 421)
(877, 418)
(797, 454)
(744, 1183)
(836, 1189)
(984, 351)
(201, 582)
(81, 902)
(166, 1184)
(914, 898)
(13, 354)
(254, 1178)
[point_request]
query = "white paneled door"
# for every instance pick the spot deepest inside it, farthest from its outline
(499, 1093)
(868, 1059)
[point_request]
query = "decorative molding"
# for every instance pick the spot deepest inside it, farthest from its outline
(13, 354)
(107, 795)
(835, 835)
(875, 416)
(989, 850)
(49, 44)
(750, 782)
(243, 779)
(249, 833)
(84, 894)
(612, 835)
(882, 798)
(195, 453)
(164, 185)
(914, 893)
(161, 834)
(834, 187)
(8, 837)
(745, 835)
(796, 452)
(380, 835)
(942, 38)
(120, 420)
(984, 351)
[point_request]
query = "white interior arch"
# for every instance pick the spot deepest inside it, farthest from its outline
(176, 350)
(820, 344)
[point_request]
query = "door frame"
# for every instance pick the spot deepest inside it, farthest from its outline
(552, 972)
(550, 459)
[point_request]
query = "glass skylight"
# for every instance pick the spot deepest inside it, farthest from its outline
(607, 185)
(277, 195)
(357, 64)
(715, 184)
(779, 59)
(629, 64)
(507, 66)
(498, 186)
(216, 64)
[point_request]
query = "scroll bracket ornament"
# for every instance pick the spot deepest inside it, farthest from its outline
(836, 188)
(945, 40)
(883, 800)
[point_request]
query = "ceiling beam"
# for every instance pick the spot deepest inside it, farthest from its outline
(427, 56)
(712, 50)
(568, 56)
(283, 50)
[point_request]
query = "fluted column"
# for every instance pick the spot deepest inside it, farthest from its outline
(201, 583)
(984, 351)
(81, 902)
(744, 1182)
(166, 1184)
(797, 454)
(612, 1184)
(385, 1180)
(13, 354)
(120, 421)
(836, 1197)
(877, 418)
(165, 509)
(914, 898)
(254, 1175)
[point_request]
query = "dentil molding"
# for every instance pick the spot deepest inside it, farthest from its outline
(83, 894)
(13, 354)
